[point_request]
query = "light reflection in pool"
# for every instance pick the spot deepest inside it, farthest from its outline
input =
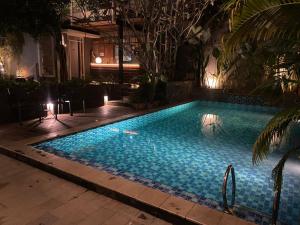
(211, 125)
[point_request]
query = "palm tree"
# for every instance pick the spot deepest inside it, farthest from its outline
(278, 129)
(275, 22)
(263, 20)
(266, 32)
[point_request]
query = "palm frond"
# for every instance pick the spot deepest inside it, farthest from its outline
(277, 172)
(275, 129)
(266, 19)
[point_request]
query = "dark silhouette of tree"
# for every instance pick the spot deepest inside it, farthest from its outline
(36, 18)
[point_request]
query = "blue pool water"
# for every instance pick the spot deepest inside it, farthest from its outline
(185, 150)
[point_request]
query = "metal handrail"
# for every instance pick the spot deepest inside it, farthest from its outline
(275, 209)
(230, 169)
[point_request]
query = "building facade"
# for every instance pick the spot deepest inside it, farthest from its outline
(92, 51)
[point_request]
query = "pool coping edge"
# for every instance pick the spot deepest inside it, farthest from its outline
(70, 170)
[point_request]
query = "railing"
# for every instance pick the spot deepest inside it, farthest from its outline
(229, 170)
(275, 209)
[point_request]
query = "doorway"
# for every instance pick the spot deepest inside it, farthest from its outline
(75, 58)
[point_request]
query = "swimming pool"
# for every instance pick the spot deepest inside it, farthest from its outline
(185, 150)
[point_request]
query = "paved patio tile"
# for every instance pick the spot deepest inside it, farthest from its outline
(30, 129)
(33, 197)
(121, 208)
(233, 220)
(159, 222)
(153, 196)
(177, 206)
(144, 218)
(45, 219)
(204, 215)
(100, 216)
(118, 219)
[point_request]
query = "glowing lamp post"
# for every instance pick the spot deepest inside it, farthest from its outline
(105, 99)
(50, 107)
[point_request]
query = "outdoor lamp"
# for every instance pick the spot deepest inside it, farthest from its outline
(98, 60)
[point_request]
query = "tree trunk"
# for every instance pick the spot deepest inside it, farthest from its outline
(61, 51)
(199, 65)
(63, 63)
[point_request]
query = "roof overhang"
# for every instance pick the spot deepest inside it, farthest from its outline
(80, 34)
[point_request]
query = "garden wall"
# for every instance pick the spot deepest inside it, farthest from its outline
(221, 95)
(179, 90)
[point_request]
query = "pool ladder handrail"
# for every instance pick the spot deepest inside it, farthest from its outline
(229, 170)
(275, 209)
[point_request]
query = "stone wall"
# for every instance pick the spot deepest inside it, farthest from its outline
(179, 90)
(222, 95)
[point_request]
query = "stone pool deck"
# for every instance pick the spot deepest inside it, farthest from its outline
(15, 141)
(33, 197)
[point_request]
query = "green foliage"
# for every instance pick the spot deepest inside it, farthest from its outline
(27, 87)
(75, 83)
(262, 20)
(35, 18)
(6, 83)
(277, 173)
(266, 34)
(275, 129)
(263, 42)
(11, 45)
(32, 17)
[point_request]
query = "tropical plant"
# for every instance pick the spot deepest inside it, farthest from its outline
(10, 45)
(272, 27)
(277, 130)
(38, 18)
(266, 35)
(274, 20)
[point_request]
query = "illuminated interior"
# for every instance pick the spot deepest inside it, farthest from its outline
(115, 66)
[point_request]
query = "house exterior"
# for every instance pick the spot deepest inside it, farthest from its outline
(92, 51)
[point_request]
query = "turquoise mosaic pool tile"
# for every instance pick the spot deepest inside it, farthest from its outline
(185, 151)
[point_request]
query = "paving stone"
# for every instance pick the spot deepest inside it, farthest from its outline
(34, 197)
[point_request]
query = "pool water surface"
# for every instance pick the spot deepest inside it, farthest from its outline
(185, 150)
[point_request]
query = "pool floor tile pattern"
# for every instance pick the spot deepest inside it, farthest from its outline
(187, 143)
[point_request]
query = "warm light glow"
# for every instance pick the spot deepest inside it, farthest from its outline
(22, 73)
(211, 124)
(50, 107)
(115, 66)
(134, 86)
(98, 60)
(1, 68)
(105, 99)
(63, 41)
(211, 81)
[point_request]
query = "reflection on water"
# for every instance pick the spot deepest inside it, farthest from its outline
(211, 125)
(129, 132)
